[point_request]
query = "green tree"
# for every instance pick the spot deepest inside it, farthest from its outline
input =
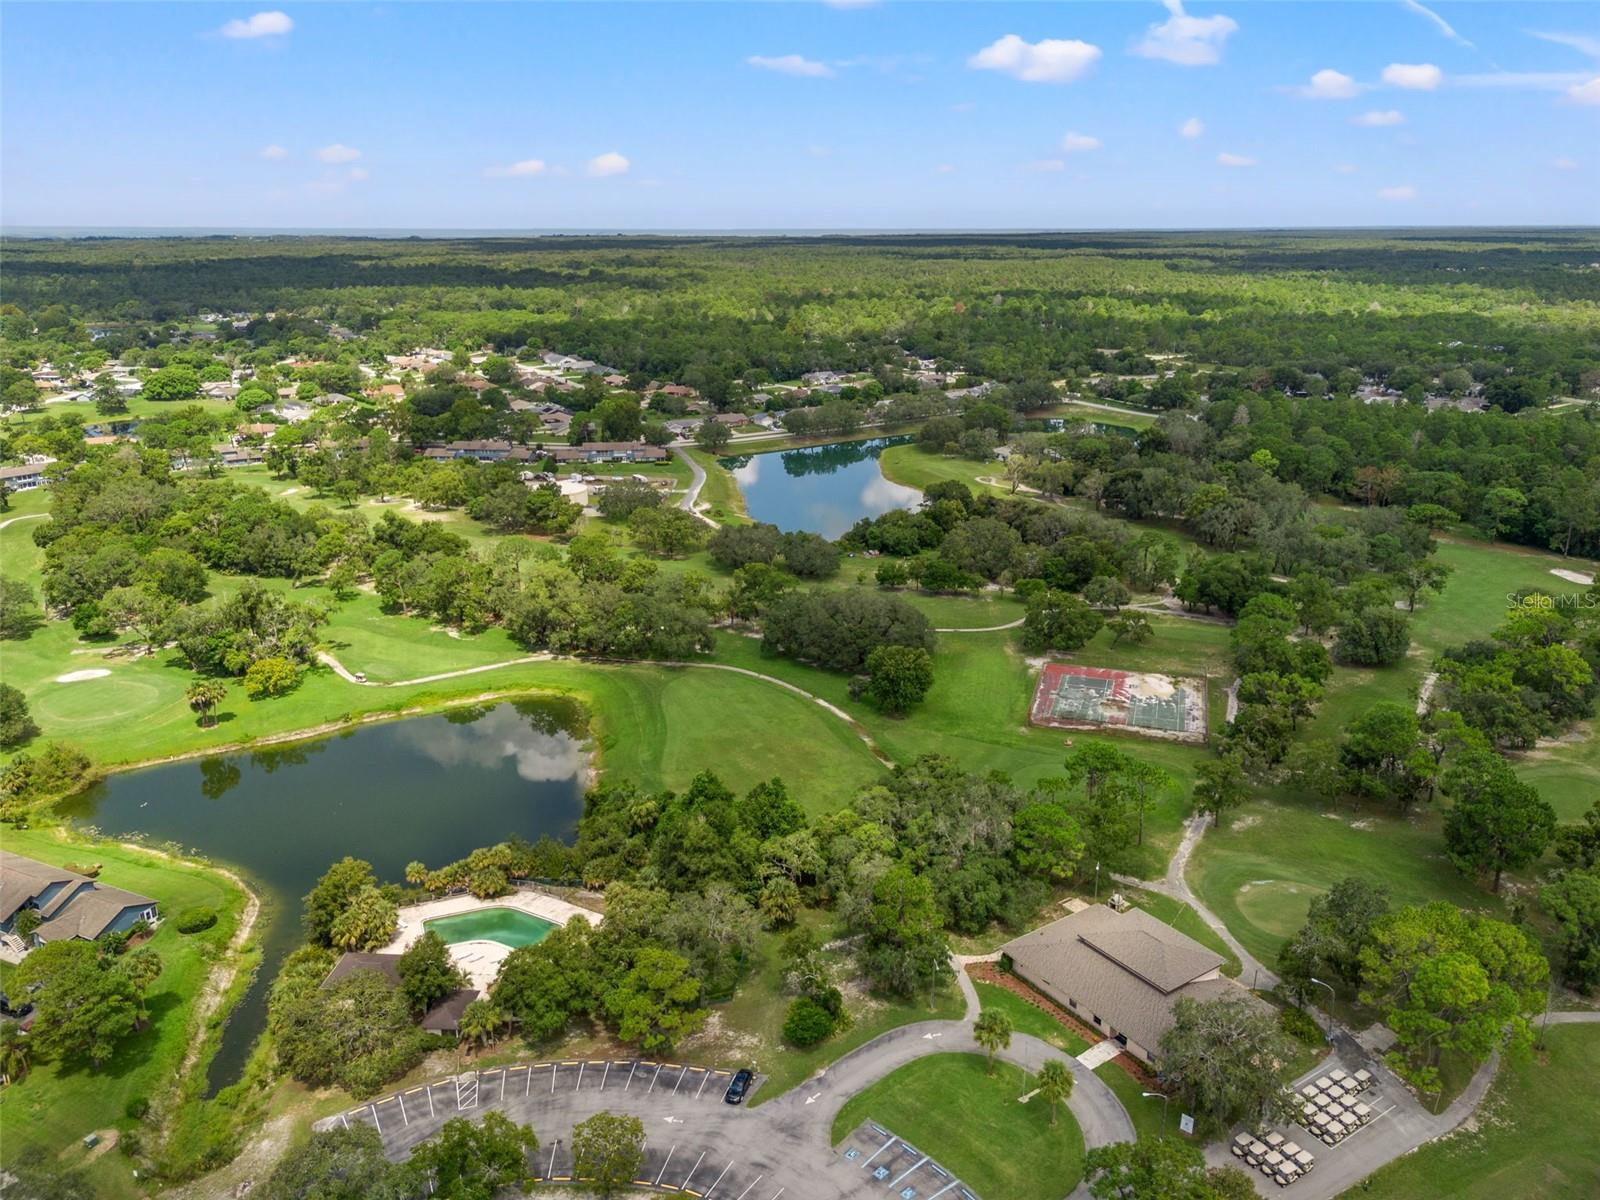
(898, 677)
(1222, 1058)
(1058, 621)
(654, 1004)
(367, 922)
(1495, 821)
(992, 1031)
(342, 1163)
(19, 614)
(84, 1004)
(1338, 925)
(17, 725)
(1160, 1168)
(1131, 627)
(904, 948)
(204, 695)
(332, 894)
(712, 436)
(1573, 901)
(267, 677)
(608, 1151)
(477, 1160)
(427, 972)
(1055, 1085)
(16, 1052)
(482, 1022)
(177, 382)
(142, 967)
(1382, 755)
(1047, 841)
(1220, 786)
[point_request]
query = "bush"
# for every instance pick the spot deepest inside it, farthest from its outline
(137, 1108)
(195, 920)
(1301, 1025)
(807, 1023)
(271, 677)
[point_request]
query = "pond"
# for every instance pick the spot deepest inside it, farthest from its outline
(822, 489)
(429, 789)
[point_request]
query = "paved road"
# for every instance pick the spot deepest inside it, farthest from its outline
(691, 499)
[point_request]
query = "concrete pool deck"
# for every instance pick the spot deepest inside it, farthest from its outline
(480, 960)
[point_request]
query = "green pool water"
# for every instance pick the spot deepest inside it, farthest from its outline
(508, 926)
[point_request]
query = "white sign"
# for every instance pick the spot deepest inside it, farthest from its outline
(1186, 1123)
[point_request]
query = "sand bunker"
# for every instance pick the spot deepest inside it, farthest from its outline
(80, 676)
(1573, 576)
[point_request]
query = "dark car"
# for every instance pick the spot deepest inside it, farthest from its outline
(739, 1088)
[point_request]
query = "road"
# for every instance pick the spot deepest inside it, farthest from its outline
(691, 499)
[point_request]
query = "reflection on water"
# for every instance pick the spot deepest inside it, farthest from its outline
(430, 788)
(822, 489)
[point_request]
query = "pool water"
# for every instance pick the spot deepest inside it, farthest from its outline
(508, 926)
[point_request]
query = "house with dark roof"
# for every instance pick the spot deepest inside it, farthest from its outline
(443, 1017)
(68, 905)
(1121, 973)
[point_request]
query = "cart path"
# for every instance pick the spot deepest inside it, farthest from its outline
(832, 709)
(691, 498)
(23, 517)
(986, 628)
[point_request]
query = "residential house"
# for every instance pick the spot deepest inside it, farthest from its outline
(68, 905)
(592, 452)
(219, 390)
(1120, 973)
(22, 479)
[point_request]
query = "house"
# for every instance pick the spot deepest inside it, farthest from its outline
(815, 378)
(239, 456)
(443, 1017)
(22, 479)
(220, 390)
(68, 905)
(1121, 973)
(591, 452)
(733, 419)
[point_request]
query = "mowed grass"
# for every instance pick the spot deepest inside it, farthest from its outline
(721, 494)
(1260, 872)
(1029, 1018)
(969, 1121)
(56, 1104)
(1537, 1134)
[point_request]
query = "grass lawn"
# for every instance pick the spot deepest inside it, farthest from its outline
(913, 466)
(1126, 418)
(1537, 1134)
(720, 492)
(56, 1104)
(970, 1122)
(1146, 1112)
(1030, 1019)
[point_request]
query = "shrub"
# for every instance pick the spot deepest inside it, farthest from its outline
(807, 1023)
(138, 1108)
(270, 677)
(1301, 1025)
(195, 920)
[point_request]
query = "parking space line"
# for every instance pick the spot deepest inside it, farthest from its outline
(663, 1170)
(679, 1084)
(907, 1171)
(430, 1101)
(777, 1193)
(684, 1186)
(605, 1075)
(345, 1119)
(403, 1115)
(527, 1084)
(944, 1189)
(376, 1123)
(552, 1168)
(702, 1086)
(892, 1140)
(655, 1077)
(578, 1087)
(631, 1070)
(748, 1186)
(718, 1179)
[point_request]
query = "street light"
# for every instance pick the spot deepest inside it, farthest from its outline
(1166, 1103)
(1332, 1000)
(1097, 882)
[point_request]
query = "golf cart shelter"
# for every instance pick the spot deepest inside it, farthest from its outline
(1119, 973)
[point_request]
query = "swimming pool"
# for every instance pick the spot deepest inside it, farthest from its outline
(508, 926)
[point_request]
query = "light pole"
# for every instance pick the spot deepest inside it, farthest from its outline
(1332, 1000)
(1166, 1103)
(1097, 883)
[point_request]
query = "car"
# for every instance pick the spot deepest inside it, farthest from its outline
(740, 1087)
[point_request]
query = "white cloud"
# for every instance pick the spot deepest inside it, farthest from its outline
(1585, 93)
(1044, 166)
(1052, 60)
(1344, 168)
(273, 151)
(1581, 42)
(945, 169)
(1077, 143)
(1377, 119)
(1564, 164)
(1417, 77)
(527, 168)
(1185, 40)
(1192, 128)
(1402, 192)
(262, 24)
(791, 64)
(1235, 160)
(359, 174)
(1328, 84)
(1439, 23)
(338, 153)
(610, 163)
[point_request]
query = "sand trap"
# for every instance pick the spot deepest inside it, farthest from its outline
(80, 676)
(1573, 576)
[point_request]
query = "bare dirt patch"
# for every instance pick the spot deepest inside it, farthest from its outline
(81, 676)
(1577, 577)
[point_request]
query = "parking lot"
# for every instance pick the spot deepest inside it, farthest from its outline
(899, 1170)
(694, 1143)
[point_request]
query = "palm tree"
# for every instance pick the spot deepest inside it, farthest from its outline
(992, 1031)
(204, 695)
(416, 873)
(481, 1021)
(142, 968)
(1055, 1084)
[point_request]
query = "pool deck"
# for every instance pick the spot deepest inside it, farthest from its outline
(480, 960)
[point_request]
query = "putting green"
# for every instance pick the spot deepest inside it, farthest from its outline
(89, 703)
(1276, 906)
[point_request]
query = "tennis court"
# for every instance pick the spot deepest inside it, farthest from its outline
(1073, 697)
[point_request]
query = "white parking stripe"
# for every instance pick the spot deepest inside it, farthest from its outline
(631, 1070)
(605, 1075)
(750, 1185)
(706, 1195)
(663, 1170)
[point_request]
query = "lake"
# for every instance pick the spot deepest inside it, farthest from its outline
(428, 788)
(822, 489)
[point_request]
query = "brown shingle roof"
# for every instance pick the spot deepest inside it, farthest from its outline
(387, 965)
(445, 1016)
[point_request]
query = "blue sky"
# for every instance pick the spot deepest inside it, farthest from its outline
(800, 115)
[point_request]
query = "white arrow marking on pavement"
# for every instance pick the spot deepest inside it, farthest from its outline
(673, 1120)
(812, 1099)
(930, 1036)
